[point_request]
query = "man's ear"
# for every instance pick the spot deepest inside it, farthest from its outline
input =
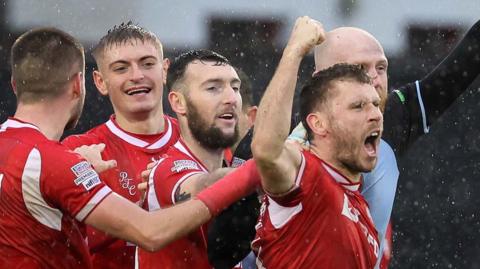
(100, 82)
(177, 102)
(14, 85)
(166, 65)
(252, 114)
(78, 85)
(318, 123)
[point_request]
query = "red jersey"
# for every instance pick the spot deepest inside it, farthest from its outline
(46, 191)
(323, 222)
(132, 152)
(165, 180)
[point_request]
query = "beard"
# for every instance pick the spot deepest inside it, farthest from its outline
(207, 135)
(347, 149)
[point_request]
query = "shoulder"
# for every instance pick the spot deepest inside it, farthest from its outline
(93, 136)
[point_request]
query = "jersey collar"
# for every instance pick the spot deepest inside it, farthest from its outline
(162, 141)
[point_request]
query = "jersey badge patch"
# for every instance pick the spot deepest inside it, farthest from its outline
(85, 175)
(182, 165)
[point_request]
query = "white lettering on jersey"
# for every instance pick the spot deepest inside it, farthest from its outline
(1, 179)
(352, 214)
(349, 212)
(125, 183)
(181, 165)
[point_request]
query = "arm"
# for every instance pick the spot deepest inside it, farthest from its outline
(150, 231)
(277, 163)
(197, 182)
(408, 115)
(453, 75)
(154, 230)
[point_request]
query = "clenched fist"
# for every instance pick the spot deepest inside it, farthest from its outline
(306, 34)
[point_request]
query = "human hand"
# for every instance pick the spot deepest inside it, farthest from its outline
(306, 34)
(93, 154)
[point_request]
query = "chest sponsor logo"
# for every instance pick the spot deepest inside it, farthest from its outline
(182, 165)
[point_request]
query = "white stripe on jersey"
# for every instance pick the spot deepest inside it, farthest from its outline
(32, 197)
(280, 215)
(152, 201)
(138, 142)
(90, 205)
(165, 138)
(126, 137)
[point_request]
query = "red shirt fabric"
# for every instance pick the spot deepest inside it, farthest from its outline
(46, 192)
(324, 222)
(133, 153)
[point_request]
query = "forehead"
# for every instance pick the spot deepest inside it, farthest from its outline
(202, 71)
(354, 49)
(351, 91)
(132, 49)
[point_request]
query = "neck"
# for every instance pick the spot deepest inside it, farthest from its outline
(47, 116)
(328, 157)
(145, 123)
(212, 159)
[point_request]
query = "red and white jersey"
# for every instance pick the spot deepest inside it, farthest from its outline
(46, 191)
(324, 222)
(132, 152)
(165, 180)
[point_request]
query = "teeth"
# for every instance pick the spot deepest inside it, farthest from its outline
(374, 134)
(131, 92)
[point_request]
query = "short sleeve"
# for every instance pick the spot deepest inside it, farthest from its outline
(70, 183)
(166, 179)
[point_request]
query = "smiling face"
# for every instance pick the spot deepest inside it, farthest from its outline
(132, 74)
(354, 125)
(213, 103)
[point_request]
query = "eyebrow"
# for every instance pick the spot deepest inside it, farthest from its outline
(126, 62)
(218, 80)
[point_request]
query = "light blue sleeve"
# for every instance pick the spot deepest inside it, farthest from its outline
(379, 187)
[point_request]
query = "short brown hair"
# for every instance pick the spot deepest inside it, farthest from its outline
(315, 92)
(43, 60)
(123, 33)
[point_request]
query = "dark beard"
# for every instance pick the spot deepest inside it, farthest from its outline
(208, 136)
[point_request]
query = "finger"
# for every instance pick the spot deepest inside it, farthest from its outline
(100, 147)
(145, 175)
(151, 165)
(110, 164)
(142, 186)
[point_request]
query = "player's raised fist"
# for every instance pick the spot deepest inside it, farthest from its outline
(306, 34)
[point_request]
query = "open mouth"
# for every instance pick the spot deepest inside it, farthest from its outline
(227, 116)
(371, 143)
(138, 91)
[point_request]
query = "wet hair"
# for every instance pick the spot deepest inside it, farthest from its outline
(246, 90)
(315, 92)
(43, 60)
(176, 71)
(123, 33)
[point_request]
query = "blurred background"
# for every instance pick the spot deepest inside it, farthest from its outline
(436, 217)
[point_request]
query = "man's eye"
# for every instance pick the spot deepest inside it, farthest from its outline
(119, 68)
